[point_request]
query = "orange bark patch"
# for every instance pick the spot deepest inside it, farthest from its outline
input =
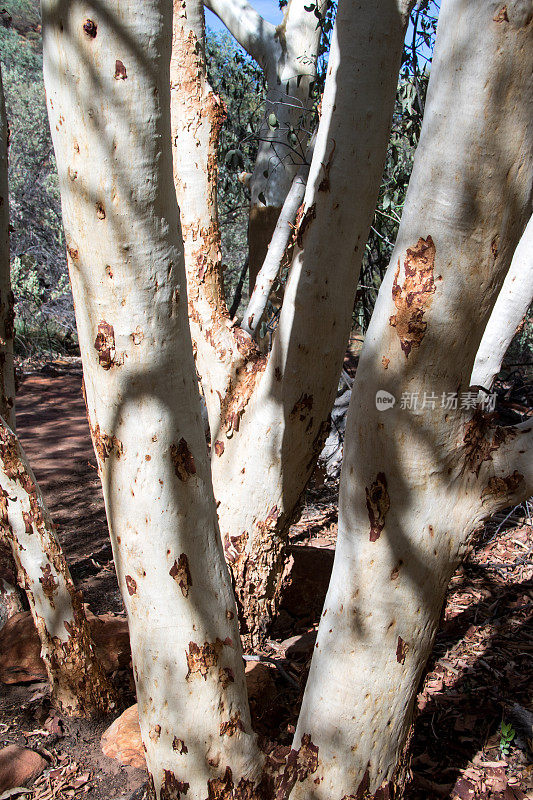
(231, 727)
(172, 788)
(481, 438)
(49, 583)
(301, 408)
(237, 397)
(181, 574)
(414, 298)
(378, 504)
(401, 650)
(503, 487)
(234, 546)
(201, 658)
(183, 460)
(105, 445)
(304, 224)
(131, 585)
(105, 345)
(219, 448)
(299, 765)
(501, 15)
(179, 746)
(226, 676)
(120, 71)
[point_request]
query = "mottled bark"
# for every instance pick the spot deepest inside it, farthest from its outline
(78, 681)
(418, 480)
(109, 107)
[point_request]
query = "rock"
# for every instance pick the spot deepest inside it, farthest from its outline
(300, 646)
(122, 740)
(20, 648)
(258, 680)
(19, 766)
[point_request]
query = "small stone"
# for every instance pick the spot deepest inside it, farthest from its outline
(19, 766)
(122, 740)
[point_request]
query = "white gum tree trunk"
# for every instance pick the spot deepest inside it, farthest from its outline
(417, 482)
(287, 54)
(268, 416)
(78, 681)
(509, 310)
(276, 419)
(107, 82)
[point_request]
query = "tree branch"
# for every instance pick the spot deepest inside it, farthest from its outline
(509, 310)
(508, 477)
(248, 27)
(276, 249)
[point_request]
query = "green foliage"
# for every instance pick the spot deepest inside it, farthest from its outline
(507, 734)
(240, 84)
(43, 300)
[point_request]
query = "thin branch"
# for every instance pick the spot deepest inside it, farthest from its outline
(247, 26)
(508, 312)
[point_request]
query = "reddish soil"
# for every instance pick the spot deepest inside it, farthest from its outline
(480, 667)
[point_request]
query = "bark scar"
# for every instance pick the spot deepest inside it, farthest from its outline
(414, 298)
(378, 504)
(181, 574)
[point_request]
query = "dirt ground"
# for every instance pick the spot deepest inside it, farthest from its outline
(479, 673)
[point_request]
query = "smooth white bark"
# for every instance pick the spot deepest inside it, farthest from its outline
(276, 250)
(417, 481)
(285, 414)
(509, 310)
(248, 27)
(109, 108)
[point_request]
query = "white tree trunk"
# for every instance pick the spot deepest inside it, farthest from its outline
(509, 310)
(276, 420)
(417, 482)
(107, 82)
(79, 684)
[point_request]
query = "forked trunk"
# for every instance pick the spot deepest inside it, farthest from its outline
(419, 476)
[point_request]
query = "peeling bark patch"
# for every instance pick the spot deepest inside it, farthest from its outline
(105, 345)
(181, 573)
(120, 71)
(49, 583)
(219, 448)
(481, 438)
(396, 571)
(179, 746)
(105, 445)
(183, 460)
(414, 298)
(90, 28)
(302, 407)
(172, 788)
(401, 650)
(100, 210)
(201, 658)
(137, 336)
(27, 522)
(503, 487)
(234, 546)
(385, 361)
(131, 585)
(501, 15)
(226, 676)
(155, 733)
(304, 223)
(299, 765)
(231, 727)
(378, 504)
